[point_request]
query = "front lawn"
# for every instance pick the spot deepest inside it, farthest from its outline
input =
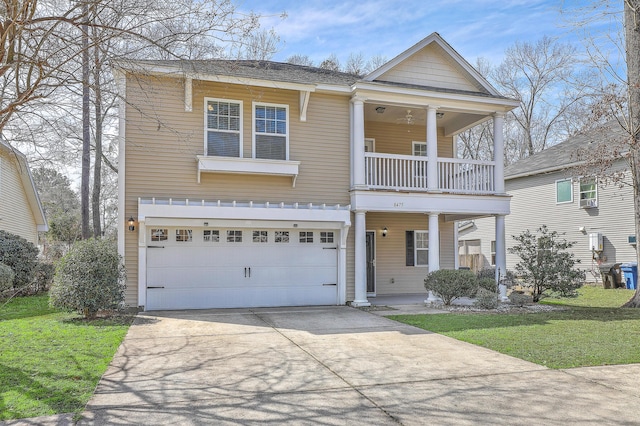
(592, 330)
(51, 361)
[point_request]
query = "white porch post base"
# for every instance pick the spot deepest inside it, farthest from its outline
(432, 298)
(502, 289)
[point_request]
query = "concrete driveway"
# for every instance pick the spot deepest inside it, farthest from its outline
(338, 366)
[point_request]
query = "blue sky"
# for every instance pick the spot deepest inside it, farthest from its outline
(475, 28)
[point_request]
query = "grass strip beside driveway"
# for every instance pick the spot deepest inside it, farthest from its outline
(51, 361)
(576, 337)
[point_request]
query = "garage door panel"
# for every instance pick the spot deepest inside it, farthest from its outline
(202, 274)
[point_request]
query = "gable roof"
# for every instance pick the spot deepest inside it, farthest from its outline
(561, 156)
(455, 58)
(28, 184)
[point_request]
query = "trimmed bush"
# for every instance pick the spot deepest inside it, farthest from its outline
(6, 277)
(20, 255)
(451, 284)
(486, 299)
(520, 299)
(90, 278)
(488, 284)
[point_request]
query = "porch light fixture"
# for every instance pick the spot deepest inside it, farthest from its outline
(131, 223)
(380, 110)
(439, 114)
(384, 231)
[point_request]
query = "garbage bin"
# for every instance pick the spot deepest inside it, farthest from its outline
(630, 271)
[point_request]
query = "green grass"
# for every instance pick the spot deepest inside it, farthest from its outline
(591, 331)
(51, 361)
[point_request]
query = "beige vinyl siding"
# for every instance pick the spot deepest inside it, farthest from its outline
(163, 141)
(15, 212)
(391, 253)
(430, 67)
(534, 204)
(398, 139)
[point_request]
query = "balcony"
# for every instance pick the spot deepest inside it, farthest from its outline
(410, 173)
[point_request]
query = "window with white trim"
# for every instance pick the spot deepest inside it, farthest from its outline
(223, 127)
(271, 131)
(421, 248)
(588, 192)
(326, 237)
(184, 235)
(281, 237)
(211, 236)
(306, 237)
(234, 236)
(260, 236)
(564, 191)
(159, 234)
(419, 149)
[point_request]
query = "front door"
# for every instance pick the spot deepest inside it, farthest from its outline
(371, 263)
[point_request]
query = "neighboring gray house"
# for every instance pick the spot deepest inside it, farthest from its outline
(547, 191)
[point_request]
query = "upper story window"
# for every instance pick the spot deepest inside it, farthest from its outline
(420, 149)
(564, 191)
(223, 127)
(271, 131)
(588, 192)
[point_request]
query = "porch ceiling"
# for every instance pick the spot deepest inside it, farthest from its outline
(452, 121)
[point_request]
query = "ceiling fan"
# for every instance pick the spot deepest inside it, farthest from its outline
(407, 119)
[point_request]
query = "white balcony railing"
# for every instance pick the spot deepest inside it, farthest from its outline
(409, 173)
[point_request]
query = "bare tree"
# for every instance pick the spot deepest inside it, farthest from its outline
(300, 60)
(544, 77)
(355, 64)
(331, 63)
(375, 62)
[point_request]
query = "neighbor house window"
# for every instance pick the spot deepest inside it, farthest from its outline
(223, 124)
(564, 191)
(281, 237)
(421, 252)
(159, 234)
(271, 131)
(306, 237)
(260, 236)
(184, 235)
(234, 236)
(211, 236)
(588, 192)
(493, 252)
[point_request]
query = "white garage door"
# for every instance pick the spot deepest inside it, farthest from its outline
(199, 268)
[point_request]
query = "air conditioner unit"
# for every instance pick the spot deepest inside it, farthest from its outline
(588, 203)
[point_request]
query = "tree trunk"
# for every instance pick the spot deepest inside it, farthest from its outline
(97, 162)
(632, 39)
(86, 128)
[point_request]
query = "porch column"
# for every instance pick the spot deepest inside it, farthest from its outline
(498, 151)
(501, 256)
(432, 150)
(360, 261)
(434, 251)
(357, 159)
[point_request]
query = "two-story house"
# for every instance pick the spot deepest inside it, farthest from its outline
(20, 209)
(554, 188)
(253, 183)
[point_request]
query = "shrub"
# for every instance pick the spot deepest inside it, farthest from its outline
(546, 264)
(20, 255)
(486, 299)
(451, 284)
(43, 277)
(519, 298)
(6, 277)
(488, 284)
(90, 278)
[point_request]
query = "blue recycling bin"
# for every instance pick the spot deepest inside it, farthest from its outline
(630, 271)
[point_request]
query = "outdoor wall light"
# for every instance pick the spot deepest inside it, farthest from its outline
(384, 231)
(131, 222)
(439, 114)
(380, 110)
